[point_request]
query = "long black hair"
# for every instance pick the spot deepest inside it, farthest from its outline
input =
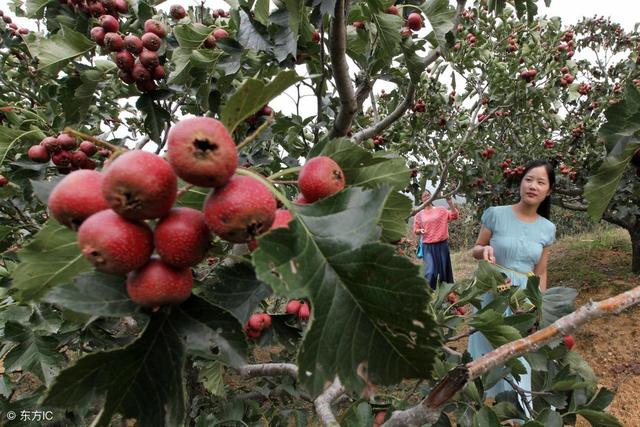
(544, 210)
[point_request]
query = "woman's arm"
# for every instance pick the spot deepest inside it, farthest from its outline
(417, 224)
(454, 213)
(540, 269)
(482, 249)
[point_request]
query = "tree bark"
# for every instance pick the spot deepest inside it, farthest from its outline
(634, 233)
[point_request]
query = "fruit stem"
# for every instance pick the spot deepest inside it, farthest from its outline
(257, 132)
(284, 172)
(93, 139)
(246, 172)
(184, 190)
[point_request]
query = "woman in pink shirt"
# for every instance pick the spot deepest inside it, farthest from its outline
(432, 226)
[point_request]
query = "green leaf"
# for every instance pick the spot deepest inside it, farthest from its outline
(556, 303)
(603, 184)
(193, 197)
(550, 418)
(388, 27)
(237, 289)
(296, 11)
(35, 8)
(252, 96)
(211, 375)
(33, 353)
(330, 254)
(441, 16)
(191, 36)
(601, 400)
(155, 118)
(248, 35)
(94, 293)
(50, 259)
(262, 12)
(43, 189)
(57, 50)
(204, 327)
(359, 414)
(361, 168)
(143, 380)
(10, 137)
(492, 326)
(485, 417)
(599, 419)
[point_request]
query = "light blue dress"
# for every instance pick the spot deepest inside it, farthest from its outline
(516, 245)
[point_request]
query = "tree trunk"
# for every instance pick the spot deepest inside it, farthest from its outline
(634, 233)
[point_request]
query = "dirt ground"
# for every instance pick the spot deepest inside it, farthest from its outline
(597, 265)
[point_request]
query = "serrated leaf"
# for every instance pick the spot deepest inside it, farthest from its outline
(485, 417)
(388, 27)
(248, 35)
(237, 289)
(252, 96)
(54, 52)
(10, 137)
(33, 352)
(211, 375)
(599, 419)
(50, 259)
(35, 8)
(603, 184)
(441, 16)
(330, 254)
(209, 331)
(191, 36)
(262, 12)
(359, 414)
(296, 11)
(393, 219)
(556, 303)
(601, 400)
(180, 59)
(155, 117)
(94, 293)
(492, 326)
(143, 380)
(550, 418)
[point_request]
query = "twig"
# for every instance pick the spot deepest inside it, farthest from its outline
(522, 394)
(93, 139)
(381, 125)
(323, 403)
(184, 190)
(451, 351)
(284, 172)
(269, 369)
(257, 132)
(142, 142)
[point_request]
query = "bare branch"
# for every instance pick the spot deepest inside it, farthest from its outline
(142, 142)
(381, 125)
(337, 51)
(269, 370)
(323, 403)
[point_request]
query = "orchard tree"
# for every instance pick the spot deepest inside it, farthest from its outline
(168, 238)
(523, 90)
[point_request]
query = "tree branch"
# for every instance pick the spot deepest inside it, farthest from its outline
(337, 51)
(269, 369)
(323, 403)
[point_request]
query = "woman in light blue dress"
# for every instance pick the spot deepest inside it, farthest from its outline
(517, 237)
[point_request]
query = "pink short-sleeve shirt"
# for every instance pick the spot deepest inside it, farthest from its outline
(435, 223)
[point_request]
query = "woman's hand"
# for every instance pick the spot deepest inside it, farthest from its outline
(487, 254)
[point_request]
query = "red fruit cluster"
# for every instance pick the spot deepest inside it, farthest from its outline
(569, 171)
(513, 173)
(419, 106)
(12, 26)
(378, 140)
(414, 21)
(549, 143)
(529, 74)
(578, 130)
(566, 79)
(506, 163)
(393, 10)
(315, 37)
(320, 177)
(257, 323)
(65, 153)
(300, 308)
(584, 89)
(98, 7)
(488, 153)
(453, 299)
(568, 44)
(471, 39)
(359, 25)
(478, 182)
(3, 180)
(482, 117)
(136, 57)
(220, 13)
(218, 34)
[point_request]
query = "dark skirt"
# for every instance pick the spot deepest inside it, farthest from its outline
(437, 263)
